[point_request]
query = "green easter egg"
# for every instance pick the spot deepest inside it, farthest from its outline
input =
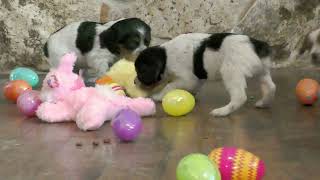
(25, 74)
(197, 167)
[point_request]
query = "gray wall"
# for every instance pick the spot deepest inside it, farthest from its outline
(25, 24)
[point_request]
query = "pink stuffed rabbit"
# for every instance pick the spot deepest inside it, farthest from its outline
(65, 98)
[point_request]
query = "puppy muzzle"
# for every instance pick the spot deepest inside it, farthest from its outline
(143, 86)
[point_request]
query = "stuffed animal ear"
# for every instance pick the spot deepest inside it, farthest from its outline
(53, 81)
(67, 62)
(79, 83)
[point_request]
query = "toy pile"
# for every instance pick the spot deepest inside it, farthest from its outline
(64, 97)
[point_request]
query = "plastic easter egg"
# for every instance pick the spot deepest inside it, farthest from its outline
(107, 80)
(104, 80)
(28, 102)
(25, 74)
(118, 89)
(13, 89)
(178, 102)
(127, 125)
(237, 164)
(307, 91)
(197, 167)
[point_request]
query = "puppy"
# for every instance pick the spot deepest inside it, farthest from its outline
(311, 44)
(97, 45)
(190, 58)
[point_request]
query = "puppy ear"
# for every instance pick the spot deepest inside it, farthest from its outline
(109, 40)
(147, 38)
(147, 34)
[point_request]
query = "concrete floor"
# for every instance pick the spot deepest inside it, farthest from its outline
(286, 137)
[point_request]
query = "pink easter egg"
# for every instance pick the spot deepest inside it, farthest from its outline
(28, 102)
(235, 164)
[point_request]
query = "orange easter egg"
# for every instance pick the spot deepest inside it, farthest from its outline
(13, 89)
(104, 80)
(307, 91)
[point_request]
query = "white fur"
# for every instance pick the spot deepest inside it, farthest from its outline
(97, 60)
(235, 61)
(63, 42)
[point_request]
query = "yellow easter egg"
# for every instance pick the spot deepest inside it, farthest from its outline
(178, 102)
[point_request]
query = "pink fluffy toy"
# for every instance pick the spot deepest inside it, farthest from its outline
(65, 98)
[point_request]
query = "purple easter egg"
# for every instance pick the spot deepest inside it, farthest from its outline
(127, 125)
(28, 102)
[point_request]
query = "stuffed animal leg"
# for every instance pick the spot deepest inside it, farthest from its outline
(94, 113)
(97, 110)
(55, 112)
(142, 106)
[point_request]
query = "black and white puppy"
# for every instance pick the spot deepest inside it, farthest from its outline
(98, 45)
(189, 58)
(311, 44)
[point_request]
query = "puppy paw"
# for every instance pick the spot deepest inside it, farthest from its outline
(262, 104)
(220, 112)
(157, 97)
